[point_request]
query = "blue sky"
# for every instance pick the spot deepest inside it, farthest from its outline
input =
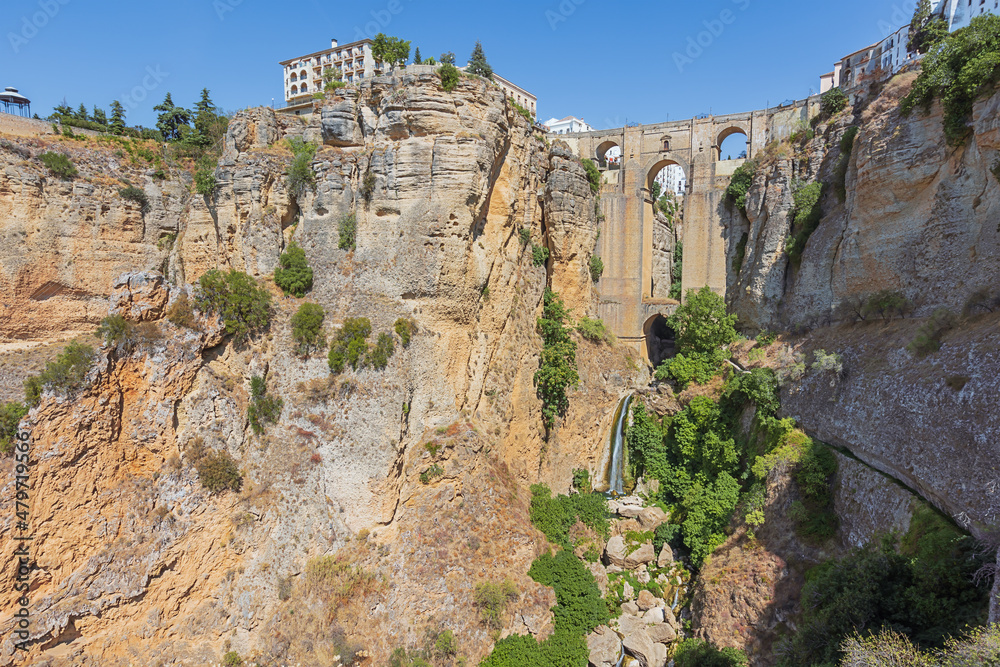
(608, 62)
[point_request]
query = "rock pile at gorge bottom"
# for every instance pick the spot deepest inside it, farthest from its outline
(455, 176)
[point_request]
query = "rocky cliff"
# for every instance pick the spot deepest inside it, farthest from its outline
(134, 558)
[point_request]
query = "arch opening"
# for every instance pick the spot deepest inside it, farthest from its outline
(660, 340)
(733, 144)
(609, 155)
(666, 176)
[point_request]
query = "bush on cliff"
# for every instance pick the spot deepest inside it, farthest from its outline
(596, 268)
(554, 515)
(218, 472)
(557, 370)
(58, 164)
(449, 76)
(961, 68)
(294, 275)
(350, 344)
(66, 373)
(593, 174)
(243, 305)
(833, 102)
(135, 195)
(11, 414)
(307, 328)
(703, 329)
(264, 408)
(699, 653)
(806, 217)
(347, 230)
(740, 184)
(300, 172)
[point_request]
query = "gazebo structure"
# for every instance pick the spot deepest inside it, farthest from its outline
(15, 103)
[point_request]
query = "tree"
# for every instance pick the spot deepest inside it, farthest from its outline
(99, 116)
(62, 109)
(307, 328)
(392, 51)
(209, 126)
(417, 60)
(81, 112)
(243, 305)
(117, 124)
(478, 64)
(447, 58)
(171, 118)
(294, 275)
(701, 324)
(926, 30)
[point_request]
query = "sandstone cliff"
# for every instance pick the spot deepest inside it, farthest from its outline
(134, 558)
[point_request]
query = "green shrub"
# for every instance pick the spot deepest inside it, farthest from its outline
(432, 473)
(676, 272)
(929, 334)
(66, 373)
(684, 369)
(579, 606)
(232, 659)
(243, 305)
(596, 268)
(740, 184)
(807, 214)
(379, 354)
(554, 515)
(264, 408)
(964, 66)
(204, 181)
(449, 76)
(702, 329)
(217, 472)
(348, 229)
(135, 195)
(817, 521)
(699, 653)
(665, 533)
(59, 164)
(833, 102)
(557, 368)
(115, 331)
(300, 172)
(593, 174)
(539, 255)
(367, 189)
(887, 304)
(11, 414)
(823, 361)
(492, 599)
(307, 328)
(445, 643)
(982, 300)
(594, 330)
(350, 344)
(524, 113)
(405, 329)
(294, 275)
(581, 480)
(524, 233)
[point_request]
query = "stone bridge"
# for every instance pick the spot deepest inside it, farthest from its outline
(627, 302)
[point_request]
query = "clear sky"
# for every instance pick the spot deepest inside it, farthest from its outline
(607, 62)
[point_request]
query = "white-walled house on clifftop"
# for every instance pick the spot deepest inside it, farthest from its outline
(303, 76)
(567, 125)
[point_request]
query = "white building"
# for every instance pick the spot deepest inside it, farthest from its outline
(303, 76)
(567, 125)
(671, 179)
(884, 59)
(518, 94)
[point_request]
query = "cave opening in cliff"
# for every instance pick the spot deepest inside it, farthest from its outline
(660, 340)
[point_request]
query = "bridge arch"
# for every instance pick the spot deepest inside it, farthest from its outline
(604, 148)
(660, 339)
(732, 132)
(655, 166)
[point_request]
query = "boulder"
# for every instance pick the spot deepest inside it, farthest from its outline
(666, 557)
(651, 517)
(629, 506)
(605, 647)
(641, 556)
(615, 551)
(638, 644)
(661, 633)
(646, 600)
(630, 608)
(643, 576)
(659, 655)
(669, 619)
(628, 592)
(653, 616)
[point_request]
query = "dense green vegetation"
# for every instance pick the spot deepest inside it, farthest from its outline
(300, 172)
(961, 67)
(59, 164)
(699, 653)
(703, 330)
(350, 347)
(294, 276)
(806, 217)
(596, 268)
(740, 184)
(593, 174)
(539, 255)
(11, 414)
(307, 328)
(449, 76)
(594, 330)
(348, 231)
(833, 102)
(926, 590)
(243, 305)
(676, 272)
(264, 408)
(926, 29)
(557, 368)
(554, 516)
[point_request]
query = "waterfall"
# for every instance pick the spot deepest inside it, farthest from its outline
(616, 479)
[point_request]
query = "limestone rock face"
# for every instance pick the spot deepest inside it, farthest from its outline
(340, 123)
(600, 575)
(638, 644)
(139, 297)
(255, 128)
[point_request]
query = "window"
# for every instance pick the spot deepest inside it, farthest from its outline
(305, 87)
(295, 90)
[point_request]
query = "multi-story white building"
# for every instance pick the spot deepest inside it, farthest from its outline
(518, 94)
(303, 76)
(567, 125)
(671, 179)
(884, 59)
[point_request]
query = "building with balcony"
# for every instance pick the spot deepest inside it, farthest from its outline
(303, 76)
(567, 125)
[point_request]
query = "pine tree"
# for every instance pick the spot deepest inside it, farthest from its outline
(925, 30)
(171, 118)
(99, 116)
(478, 64)
(417, 60)
(448, 58)
(81, 112)
(117, 124)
